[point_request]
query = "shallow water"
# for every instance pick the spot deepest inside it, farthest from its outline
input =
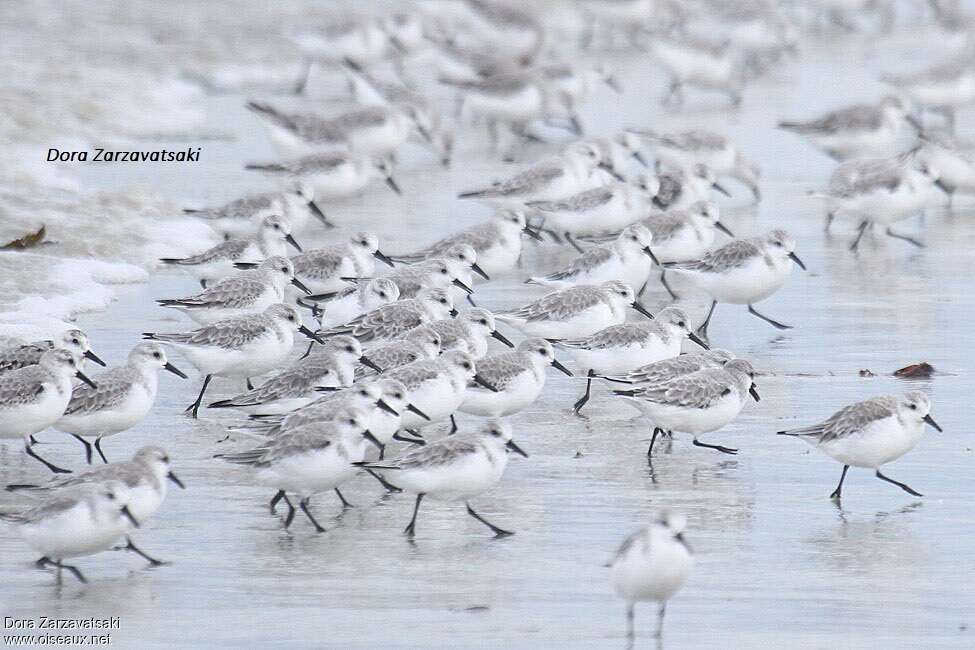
(777, 563)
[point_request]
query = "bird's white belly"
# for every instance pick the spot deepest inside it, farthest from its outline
(880, 443)
(457, 481)
(693, 420)
(27, 419)
(653, 578)
(106, 422)
(438, 398)
(521, 392)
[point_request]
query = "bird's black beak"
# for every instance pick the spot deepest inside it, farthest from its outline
(176, 371)
(386, 407)
(414, 410)
(515, 448)
(393, 186)
(575, 125)
(501, 337)
(558, 365)
(646, 249)
(531, 233)
(371, 438)
(291, 240)
(175, 479)
(424, 133)
(307, 332)
(640, 308)
(461, 285)
(718, 186)
(723, 228)
(612, 172)
(698, 340)
(477, 269)
(382, 257)
(680, 538)
(453, 312)
(83, 377)
(366, 361)
(315, 210)
(128, 515)
(640, 159)
(754, 393)
(795, 258)
(914, 122)
(614, 83)
(94, 357)
(483, 382)
(943, 187)
(301, 286)
(930, 420)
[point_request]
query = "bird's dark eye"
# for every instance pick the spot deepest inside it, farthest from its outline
(467, 366)
(483, 322)
(542, 351)
(443, 271)
(681, 324)
(277, 227)
(156, 355)
(913, 407)
(350, 349)
(110, 496)
(633, 237)
(284, 269)
(165, 459)
(398, 396)
(76, 341)
(382, 294)
(351, 421)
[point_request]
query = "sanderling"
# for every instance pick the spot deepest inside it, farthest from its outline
(881, 191)
(346, 304)
(573, 82)
(74, 341)
(681, 188)
(436, 387)
(576, 311)
(245, 346)
(423, 342)
(470, 330)
(245, 292)
(331, 366)
(32, 398)
(217, 262)
(145, 476)
(367, 131)
(240, 218)
(74, 523)
(575, 170)
(362, 40)
(956, 169)
(697, 403)
(943, 88)
(651, 565)
(516, 378)
(496, 241)
(627, 259)
(462, 260)
(122, 398)
(618, 150)
(692, 61)
(396, 318)
(628, 346)
(456, 468)
(856, 131)
(743, 272)
(411, 279)
(335, 174)
(667, 369)
(871, 433)
(608, 207)
(632, 18)
(316, 457)
(684, 149)
(323, 269)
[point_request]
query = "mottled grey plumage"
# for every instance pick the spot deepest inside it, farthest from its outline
(590, 259)
(314, 436)
(561, 305)
(693, 141)
(501, 369)
(229, 334)
(297, 380)
(696, 390)
(316, 129)
(22, 386)
(864, 175)
(27, 354)
(479, 237)
(237, 291)
(581, 202)
(311, 164)
(112, 387)
(850, 419)
(414, 375)
(860, 117)
(667, 369)
(386, 322)
(243, 208)
(735, 254)
(55, 504)
(527, 182)
(671, 188)
(617, 336)
(442, 452)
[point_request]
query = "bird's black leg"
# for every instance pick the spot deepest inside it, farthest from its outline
(382, 481)
(663, 281)
(73, 569)
(194, 408)
(911, 240)
(291, 512)
(86, 444)
(498, 532)
(345, 503)
(129, 546)
(453, 425)
(903, 486)
(585, 398)
(838, 492)
(569, 238)
(774, 323)
(411, 527)
(98, 447)
(723, 450)
(653, 438)
(860, 230)
(274, 501)
(303, 504)
(703, 329)
(54, 468)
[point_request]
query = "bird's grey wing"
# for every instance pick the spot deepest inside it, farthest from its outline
(586, 200)
(320, 263)
(22, 355)
(527, 181)
(697, 390)
(732, 255)
(638, 537)
(663, 226)
(499, 371)
(560, 305)
(230, 250)
(586, 262)
(20, 387)
(111, 388)
(850, 419)
(414, 374)
(228, 334)
(442, 452)
(609, 337)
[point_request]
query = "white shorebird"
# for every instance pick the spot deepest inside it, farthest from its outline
(362, 40)
(743, 272)
(696, 62)
(469, 332)
(651, 565)
(411, 279)
(217, 262)
(333, 175)
(395, 319)
(576, 311)
(667, 369)
(367, 131)
(496, 241)
(956, 168)
(943, 88)
(122, 398)
(618, 150)
(456, 468)
(423, 342)
(679, 189)
(578, 168)
(856, 131)
(436, 387)
(245, 346)
(22, 354)
(344, 305)
(462, 261)
(34, 397)
(696, 403)
(332, 366)
(240, 218)
(323, 269)
(628, 259)
(684, 149)
(609, 207)
(75, 523)
(573, 83)
(516, 377)
(881, 191)
(145, 476)
(871, 433)
(316, 457)
(628, 346)
(245, 292)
